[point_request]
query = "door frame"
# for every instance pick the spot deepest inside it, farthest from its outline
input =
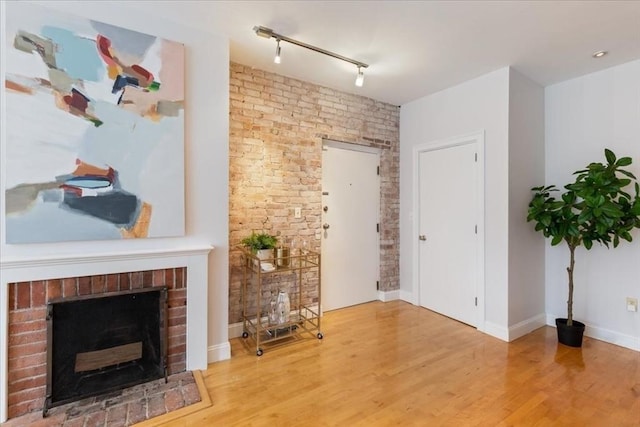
(327, 142)
(478, 139)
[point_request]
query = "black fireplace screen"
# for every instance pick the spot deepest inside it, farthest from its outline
(101, 343)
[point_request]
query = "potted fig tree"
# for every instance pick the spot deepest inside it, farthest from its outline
(594, 208)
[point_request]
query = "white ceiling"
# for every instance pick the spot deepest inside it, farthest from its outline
(415, 48)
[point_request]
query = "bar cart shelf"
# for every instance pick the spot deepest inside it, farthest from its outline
(302, 320)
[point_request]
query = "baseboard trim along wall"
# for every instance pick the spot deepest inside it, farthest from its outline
(386, 296)
(495, 330)
(523, 328)
(223, 351)
(235, 330)
(408, 297)
(218, 352)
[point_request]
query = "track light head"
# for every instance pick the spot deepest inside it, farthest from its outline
(360, 77)
(276, 59)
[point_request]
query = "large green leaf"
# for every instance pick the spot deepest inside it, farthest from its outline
(611, 209)
(624, 161)
(611, 158)
(585, 216)
(627, 173)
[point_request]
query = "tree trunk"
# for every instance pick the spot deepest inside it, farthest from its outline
(572, 261)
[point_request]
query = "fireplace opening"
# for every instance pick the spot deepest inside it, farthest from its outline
(101, 343)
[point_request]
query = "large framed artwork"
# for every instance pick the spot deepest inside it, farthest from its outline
(94, 122)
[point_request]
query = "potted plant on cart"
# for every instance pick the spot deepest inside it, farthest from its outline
(260, 244)
(594, 208)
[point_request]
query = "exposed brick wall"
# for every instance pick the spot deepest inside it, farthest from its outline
(28, 328)
(277, 125)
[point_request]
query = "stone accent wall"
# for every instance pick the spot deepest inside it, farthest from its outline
(277, 125)
(28, 328)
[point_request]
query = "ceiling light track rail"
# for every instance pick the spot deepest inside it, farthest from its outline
(269, 34)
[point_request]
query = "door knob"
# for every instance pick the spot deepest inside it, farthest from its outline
(325, 226)
(422, 237)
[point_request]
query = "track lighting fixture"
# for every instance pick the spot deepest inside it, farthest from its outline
(268, 33)
(360, 77)
(276, 59)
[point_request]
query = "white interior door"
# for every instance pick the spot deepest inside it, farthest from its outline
(448, 222)
(350, 242)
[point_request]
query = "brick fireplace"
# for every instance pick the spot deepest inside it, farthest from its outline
(27, 325)
(27, 285)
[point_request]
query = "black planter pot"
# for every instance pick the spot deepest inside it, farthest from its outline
(570, 335)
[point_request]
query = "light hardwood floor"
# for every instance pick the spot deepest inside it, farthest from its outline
(396, 364)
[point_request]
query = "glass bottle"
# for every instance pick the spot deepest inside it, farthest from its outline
(273, 309)
(284, 307)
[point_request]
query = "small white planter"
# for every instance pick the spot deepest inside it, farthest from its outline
(265, 254)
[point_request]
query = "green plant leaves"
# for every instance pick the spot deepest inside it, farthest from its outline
(624, 161)
(257, 241)
(587, 243)
(556, 240)
(593, 208)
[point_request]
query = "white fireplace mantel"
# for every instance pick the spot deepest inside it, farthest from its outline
(193, 256)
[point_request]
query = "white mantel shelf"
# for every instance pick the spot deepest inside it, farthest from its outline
(178, 253)
(79, 258)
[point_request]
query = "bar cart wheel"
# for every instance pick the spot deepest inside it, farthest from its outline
(259, 352)
(245, 334)
(320, 336)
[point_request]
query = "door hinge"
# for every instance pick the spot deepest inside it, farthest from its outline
(476, 301)
(476, 228)
(378, 170)
(377, 285)
(476, 157)
(378, 227)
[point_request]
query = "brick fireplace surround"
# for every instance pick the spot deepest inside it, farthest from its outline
(27, 285)
(28, 328)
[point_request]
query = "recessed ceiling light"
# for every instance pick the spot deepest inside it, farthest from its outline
(599, 54)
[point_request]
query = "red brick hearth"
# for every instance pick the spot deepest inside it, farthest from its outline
(27, 325)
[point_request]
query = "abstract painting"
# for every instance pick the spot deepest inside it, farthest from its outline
(94, 137)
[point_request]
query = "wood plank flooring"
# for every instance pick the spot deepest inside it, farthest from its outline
(383, 364)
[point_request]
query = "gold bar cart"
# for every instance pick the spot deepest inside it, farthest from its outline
(303, 317)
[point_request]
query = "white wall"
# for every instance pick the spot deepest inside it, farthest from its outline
(206, 152)
(477, 105)
(583, 116)
(526, 170)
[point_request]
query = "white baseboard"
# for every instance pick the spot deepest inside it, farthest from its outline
(235, 330)
(218, 352)
(386, 296)
(495, 330)
(523, 328)
(606, 335)
(515, 331)
(408, 297)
